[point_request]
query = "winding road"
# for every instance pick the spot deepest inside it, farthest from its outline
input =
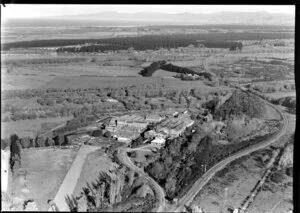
(200, 183)
(158, 190)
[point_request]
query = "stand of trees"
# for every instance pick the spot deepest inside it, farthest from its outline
(148, 71)
(238, 104)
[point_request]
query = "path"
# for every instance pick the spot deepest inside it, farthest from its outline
(70, 181)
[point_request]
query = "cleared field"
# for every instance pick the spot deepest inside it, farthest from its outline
(86, 82)
(44, 172)
(96, 162)
(29, 127)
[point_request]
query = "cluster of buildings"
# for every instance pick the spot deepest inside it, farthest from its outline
(128, 127)
(170, 124)
(171, 127)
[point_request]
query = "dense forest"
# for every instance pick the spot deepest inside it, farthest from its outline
(221, 40)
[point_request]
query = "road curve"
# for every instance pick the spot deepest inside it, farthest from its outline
(159, 192)
(198, 185)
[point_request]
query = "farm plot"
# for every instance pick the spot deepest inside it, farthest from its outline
(41, 174)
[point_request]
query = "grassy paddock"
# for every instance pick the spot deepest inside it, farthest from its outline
(45, 171)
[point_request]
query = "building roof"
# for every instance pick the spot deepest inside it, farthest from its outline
(158, 140)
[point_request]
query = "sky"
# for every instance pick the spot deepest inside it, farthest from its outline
(39, 11)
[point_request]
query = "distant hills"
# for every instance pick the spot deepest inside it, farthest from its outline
(256, 18)
(151, 18)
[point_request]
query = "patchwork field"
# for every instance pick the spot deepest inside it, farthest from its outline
(42, 173)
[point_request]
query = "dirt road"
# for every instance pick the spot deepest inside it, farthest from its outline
(69, 183)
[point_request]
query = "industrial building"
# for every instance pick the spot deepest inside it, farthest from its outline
(175, 126)
(127, 127)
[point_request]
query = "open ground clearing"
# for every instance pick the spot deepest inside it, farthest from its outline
(30, 127)
(43, 172)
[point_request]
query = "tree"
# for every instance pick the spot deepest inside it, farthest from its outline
(170, 186)
(59, 140)
(40, 141)
(97, 133)
(107, 134)
(15, 151)
(15, 145)
(25, 142)
(49, 142)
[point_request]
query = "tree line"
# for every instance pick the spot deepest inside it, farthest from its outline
(149, 70)
(153, 41)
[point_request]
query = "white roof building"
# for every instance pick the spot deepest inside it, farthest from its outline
(158, 141)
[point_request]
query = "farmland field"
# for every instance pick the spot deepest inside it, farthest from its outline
(44, 172)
